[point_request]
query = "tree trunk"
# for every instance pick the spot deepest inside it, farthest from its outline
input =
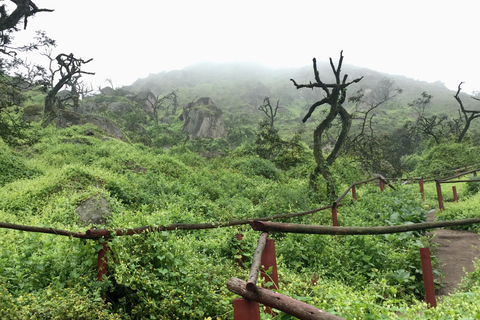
(316, 229)
(296, 308)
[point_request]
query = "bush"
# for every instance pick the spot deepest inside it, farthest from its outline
(473, 187)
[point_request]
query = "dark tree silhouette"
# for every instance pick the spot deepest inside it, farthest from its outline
(69, 68)
(24, 9)
(161, 103)
(269, 110)
(335, 97)
(16, 74)
(468, 115)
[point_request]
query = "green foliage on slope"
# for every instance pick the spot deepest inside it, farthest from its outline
(182, 274)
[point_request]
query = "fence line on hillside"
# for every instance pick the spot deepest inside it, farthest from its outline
(249, 290)
(433, 177)
(438, 185)
(251, 294)
(107, 234)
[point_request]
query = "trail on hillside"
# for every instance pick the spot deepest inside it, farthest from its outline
(456, 250)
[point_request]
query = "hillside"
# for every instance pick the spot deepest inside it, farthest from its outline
(238, 89)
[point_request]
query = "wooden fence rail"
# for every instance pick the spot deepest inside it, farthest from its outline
(317, 229)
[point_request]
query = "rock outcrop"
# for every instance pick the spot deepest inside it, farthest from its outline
(202, 119)
(94, 210)
(65, 118)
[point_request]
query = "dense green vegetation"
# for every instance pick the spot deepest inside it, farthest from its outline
(182, 274)
(143, 169)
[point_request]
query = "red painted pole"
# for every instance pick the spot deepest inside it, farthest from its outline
(354, 193)
(439, 195)
(422, 190)
(334, 215)
(382, 185)
(428, 277)
(269, 261)
(102, 262)
(244, 309)
(241, 259)
(455, 196)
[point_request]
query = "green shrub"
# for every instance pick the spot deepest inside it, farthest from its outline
(473, 187)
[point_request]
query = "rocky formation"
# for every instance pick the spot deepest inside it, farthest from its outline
(202, 119)
(146, 100)
(94, 210)
(65, 118)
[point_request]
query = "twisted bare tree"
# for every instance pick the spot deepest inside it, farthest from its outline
(69, 68)
(335, 94)
(468, 115)
(24, 9)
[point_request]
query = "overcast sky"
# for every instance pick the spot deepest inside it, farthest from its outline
(421, 39)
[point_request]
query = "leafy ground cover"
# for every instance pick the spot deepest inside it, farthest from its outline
(183, 274)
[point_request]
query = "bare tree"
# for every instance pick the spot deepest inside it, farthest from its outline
(269, 110)
(69, 68)
(369, 147)
(432, 126)
(165, 103)
(17, 74)
(468, 115)
(367, 103)
(335, 97)
(24, 9)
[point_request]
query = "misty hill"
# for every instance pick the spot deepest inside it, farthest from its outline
(240, 88)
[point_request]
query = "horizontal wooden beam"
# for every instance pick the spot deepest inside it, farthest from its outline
(316, 229)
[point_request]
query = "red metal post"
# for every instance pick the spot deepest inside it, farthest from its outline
(240, 260)
(428, 277)
(354, 193)
(455, 197)
(382, 185)
(245, 309)
(439, 195)
(422, 190)
(269, 260)
(334, 215)
(102, 262)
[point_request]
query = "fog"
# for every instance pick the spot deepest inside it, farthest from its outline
(424, 40)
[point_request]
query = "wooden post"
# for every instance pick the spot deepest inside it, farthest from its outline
(245, 309)
(257, 262)
(466, 168)
(422, 190)
(334, 215)
(269, 260)
(382, 185)
(293, 307)
(439, 195)
(455, 196)
(102, 262)
(241, 259)
(354, 193)
(428, 277)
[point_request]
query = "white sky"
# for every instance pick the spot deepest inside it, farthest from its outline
(422, 39)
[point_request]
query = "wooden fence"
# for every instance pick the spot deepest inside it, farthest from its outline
(265, 248)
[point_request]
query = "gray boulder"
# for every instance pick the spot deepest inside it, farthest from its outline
(65, 119)
(94, 210)
(104, 124)
(202, 119)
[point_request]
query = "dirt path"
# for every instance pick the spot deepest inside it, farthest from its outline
(456, 250)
